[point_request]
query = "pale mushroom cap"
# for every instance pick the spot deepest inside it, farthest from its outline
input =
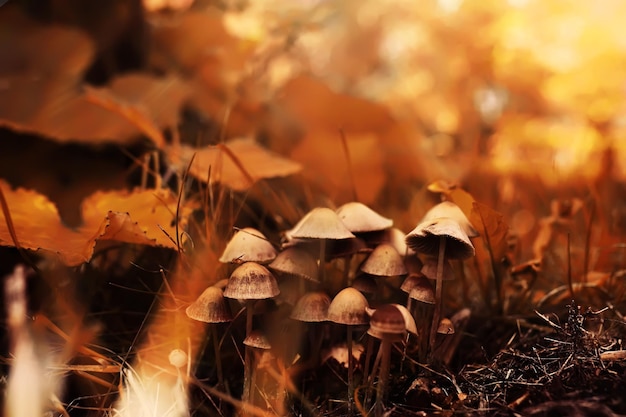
(450, 210)
(251, 281)
(257, 339)
(445, 326)
(425, 238)
(311, 307)
(248, 245)
(387, 319)
(320, 223)
(396, 238)
(359, 218)
(419, 288)
(348, 307)
(296, 261)
(210, 307)
(430, 269)
(384, 261)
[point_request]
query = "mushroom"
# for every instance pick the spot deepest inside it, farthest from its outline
(297, 263)
(259, 343)
(421, 301)
(320, 223)
(348, 307)
(384, 261)
(387, 323)
(312, 308)
(250, 282)
(210, 307)
(248, 245)
(442, 237)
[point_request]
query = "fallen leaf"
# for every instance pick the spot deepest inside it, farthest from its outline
(238, 164)
(140, 217)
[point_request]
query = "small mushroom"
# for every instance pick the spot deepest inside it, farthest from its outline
(312, 308)
(387, 323)
(250, 282)
(348, 307)
(210, 307)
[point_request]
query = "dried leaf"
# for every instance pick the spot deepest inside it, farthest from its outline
(139, 217)
(238, 164)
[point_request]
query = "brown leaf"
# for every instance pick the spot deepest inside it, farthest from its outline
(132, 217)
(237, 164)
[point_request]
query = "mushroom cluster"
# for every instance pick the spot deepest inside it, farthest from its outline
(340, 274)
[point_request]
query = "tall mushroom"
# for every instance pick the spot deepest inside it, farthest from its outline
(312, 308)
(348, 307)
(443, 238)
(322, 224)
(250, 282)
(388, 323)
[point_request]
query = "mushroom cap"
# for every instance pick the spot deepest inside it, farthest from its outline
(409, 321)
(248, 245)
(348, 307)
(429, 270)
(296, 262)
(384, 261)
(450, 210)
(419, 288)
(311, 307)
(396, 237)
(365, 283)
(426, 236)
(320, 223)
(257, 339)
(413, 264)
(445, 326)
(251, 281)
(387, 319)
(359, 218)
(210, 307)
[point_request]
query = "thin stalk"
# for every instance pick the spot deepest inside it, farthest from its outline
(438, 293)
(247, 362)
(383, 375)
(350, 371)
(218, 358)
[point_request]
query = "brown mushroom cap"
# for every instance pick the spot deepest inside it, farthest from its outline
(348, 307)
(419, 288)
(257, 339)
(445, 326)
(210, 307)
(359, 218)
(409, 321)
(311, 307)
(251, 281)
(429, 270)
(297, 262)
(387, 319)
(320, 223)
(365, 283)
(426, 236)
(248, 245)
(450, 210)
(384, 261)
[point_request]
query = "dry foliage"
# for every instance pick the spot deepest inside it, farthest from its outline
(137, 136)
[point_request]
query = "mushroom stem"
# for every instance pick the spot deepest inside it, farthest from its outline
(323, 261)
(383, 375)
(247, 362)
(218, 358)
(438, 293)
(350, 372)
